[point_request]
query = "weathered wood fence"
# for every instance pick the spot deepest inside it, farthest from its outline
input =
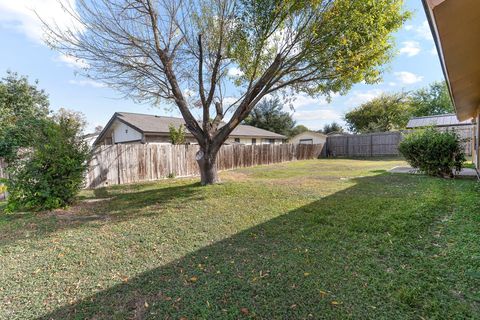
(129, 163)
(380, 143)
(364, 145)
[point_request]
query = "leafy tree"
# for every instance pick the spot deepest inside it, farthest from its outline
(331, 127)
(432, 100)
(269, 115)
(160, 50)
(384, 113)
(177, 135)
(20, 102)
(300, 128)
(48, 173)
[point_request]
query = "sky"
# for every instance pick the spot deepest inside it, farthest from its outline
(22, 50)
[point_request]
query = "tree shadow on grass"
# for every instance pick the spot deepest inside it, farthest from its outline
(363, 252)
(108, 207)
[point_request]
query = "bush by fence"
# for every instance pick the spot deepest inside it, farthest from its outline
(129, 163)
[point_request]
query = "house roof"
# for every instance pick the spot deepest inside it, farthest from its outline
(153, 124)
(455, 26)
(444, 120)
(311, 133)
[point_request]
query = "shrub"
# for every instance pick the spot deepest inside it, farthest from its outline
(433, 152)
(48, 174)
(177, 136)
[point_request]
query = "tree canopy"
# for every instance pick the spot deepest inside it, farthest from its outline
(299, 128)
(190, 52)
(21, 103)
(331, 127)
(432, 100)
(269, 115)
(384, 113)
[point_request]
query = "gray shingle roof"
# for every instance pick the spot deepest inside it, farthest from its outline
(443, 120)
(148, 123)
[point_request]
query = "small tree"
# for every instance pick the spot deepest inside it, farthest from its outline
(160, 50)
(385, 113)
(177, 136)
(49, 172)
(433, 152)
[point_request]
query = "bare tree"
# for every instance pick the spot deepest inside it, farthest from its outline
(181, 51)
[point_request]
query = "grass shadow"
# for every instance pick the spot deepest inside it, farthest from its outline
(110, 206)
(354, 254)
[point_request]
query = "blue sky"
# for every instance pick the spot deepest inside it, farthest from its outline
(415, 65)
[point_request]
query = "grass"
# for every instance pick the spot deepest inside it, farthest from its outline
(310, 239)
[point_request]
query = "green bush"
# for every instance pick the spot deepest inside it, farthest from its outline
(433, 152)
(48, 173)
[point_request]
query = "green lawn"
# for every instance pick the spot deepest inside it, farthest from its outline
(310, 239)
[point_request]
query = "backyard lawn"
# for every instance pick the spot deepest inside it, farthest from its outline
(312, 239)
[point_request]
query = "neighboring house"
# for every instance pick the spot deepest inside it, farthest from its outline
(90, 138)
(308, 137)
(455, 26)
(125, 127)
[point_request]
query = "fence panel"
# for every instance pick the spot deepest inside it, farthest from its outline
(130, 163)
(364, 145)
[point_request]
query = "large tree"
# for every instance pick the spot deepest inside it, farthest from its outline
(432, 100)
(270, 116)
(384, 113)
(181, 51)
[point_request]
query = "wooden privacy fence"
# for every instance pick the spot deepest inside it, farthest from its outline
(380, 144)
(129, 163)
(364, 145)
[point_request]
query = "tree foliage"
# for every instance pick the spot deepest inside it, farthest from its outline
(177, 135)
(20, 102)
(433, 152)
(384, 113)
(181, 52)
(331, 127)
(300, 128)
(432, 100)
(269, 115)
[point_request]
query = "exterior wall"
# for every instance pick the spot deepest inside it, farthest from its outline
(124, 133)
(165, 139)
(305, 136)
(248, 141)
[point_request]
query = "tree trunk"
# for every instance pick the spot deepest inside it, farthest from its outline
(206, 158)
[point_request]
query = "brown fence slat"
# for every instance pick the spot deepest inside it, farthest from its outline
(130, 163)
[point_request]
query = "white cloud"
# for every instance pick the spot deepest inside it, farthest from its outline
(408, 27)
(234, 72)
(359, 97)
(406, 77)
(434, 51)
(319, 114)
(302, 100)
(73, 62)
(424, 31)
(20, 15)
(87, 82)
(410, 48)
(392, 84)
